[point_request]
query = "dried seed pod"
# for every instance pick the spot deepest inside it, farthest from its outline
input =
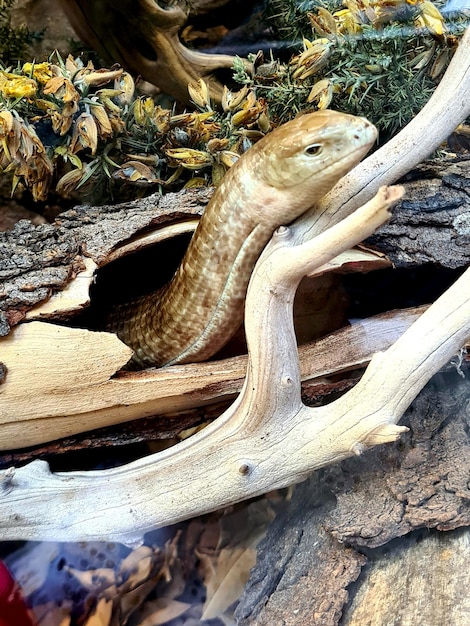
(431, 18)
(199, 94)
(124, 84)
(321, 93)
(313, 58)
(69, 182)
(102, 120)
(62, 88)
(85, 134)
(189, 158)
(136, 172)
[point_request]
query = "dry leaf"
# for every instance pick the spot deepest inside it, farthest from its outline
(135, 598)
(226, 582)
(162, 611)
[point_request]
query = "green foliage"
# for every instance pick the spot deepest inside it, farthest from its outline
(287, 18)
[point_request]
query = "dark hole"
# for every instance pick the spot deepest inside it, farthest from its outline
(145, 49)
(390, 289)
(130, 277)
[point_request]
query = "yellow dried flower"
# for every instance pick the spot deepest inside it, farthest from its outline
(105, 95)
(41, 72)
(199, 94)
(6, 122)
(125, 84)
(9, 137)
(430, 18)
(136, 172)
(62, 120)
(232, 101)
(161, 118)
(250, 112)
(228, 158)
(322, 93)
(46, 105)
(216, 145)
(189, 158)
(323, 23)
(217, 173)
(347, 22)
(14, 86)
(139, 112)
(313, 58)
(102, 120)
(30, 160)
(195, 182)
(97, 78)
(62, 89)
(70, 181)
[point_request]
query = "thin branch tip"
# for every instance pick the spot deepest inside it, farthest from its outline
(385, 433)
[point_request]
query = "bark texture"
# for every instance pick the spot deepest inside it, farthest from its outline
(338, 519)
(430, 225)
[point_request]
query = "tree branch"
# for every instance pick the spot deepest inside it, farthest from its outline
(266, 439)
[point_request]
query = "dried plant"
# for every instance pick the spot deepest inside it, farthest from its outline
(377, 58)
(71, 126)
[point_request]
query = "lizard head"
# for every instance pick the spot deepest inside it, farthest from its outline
(314, 150)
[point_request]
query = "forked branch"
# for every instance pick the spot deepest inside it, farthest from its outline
(267, 438)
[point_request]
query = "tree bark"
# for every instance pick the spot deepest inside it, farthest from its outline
(369, 519)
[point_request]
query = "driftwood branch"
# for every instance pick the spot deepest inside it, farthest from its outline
(235, 446)
(267, 438)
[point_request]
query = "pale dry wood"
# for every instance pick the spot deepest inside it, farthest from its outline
(267, 438)
(145, 38)
(73, 297)
(71, 373)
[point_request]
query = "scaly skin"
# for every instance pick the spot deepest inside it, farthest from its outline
(277, 180)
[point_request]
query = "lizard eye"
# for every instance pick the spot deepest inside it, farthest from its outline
(313, 149)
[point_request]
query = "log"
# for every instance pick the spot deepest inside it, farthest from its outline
(38, 262)
(49, 360)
